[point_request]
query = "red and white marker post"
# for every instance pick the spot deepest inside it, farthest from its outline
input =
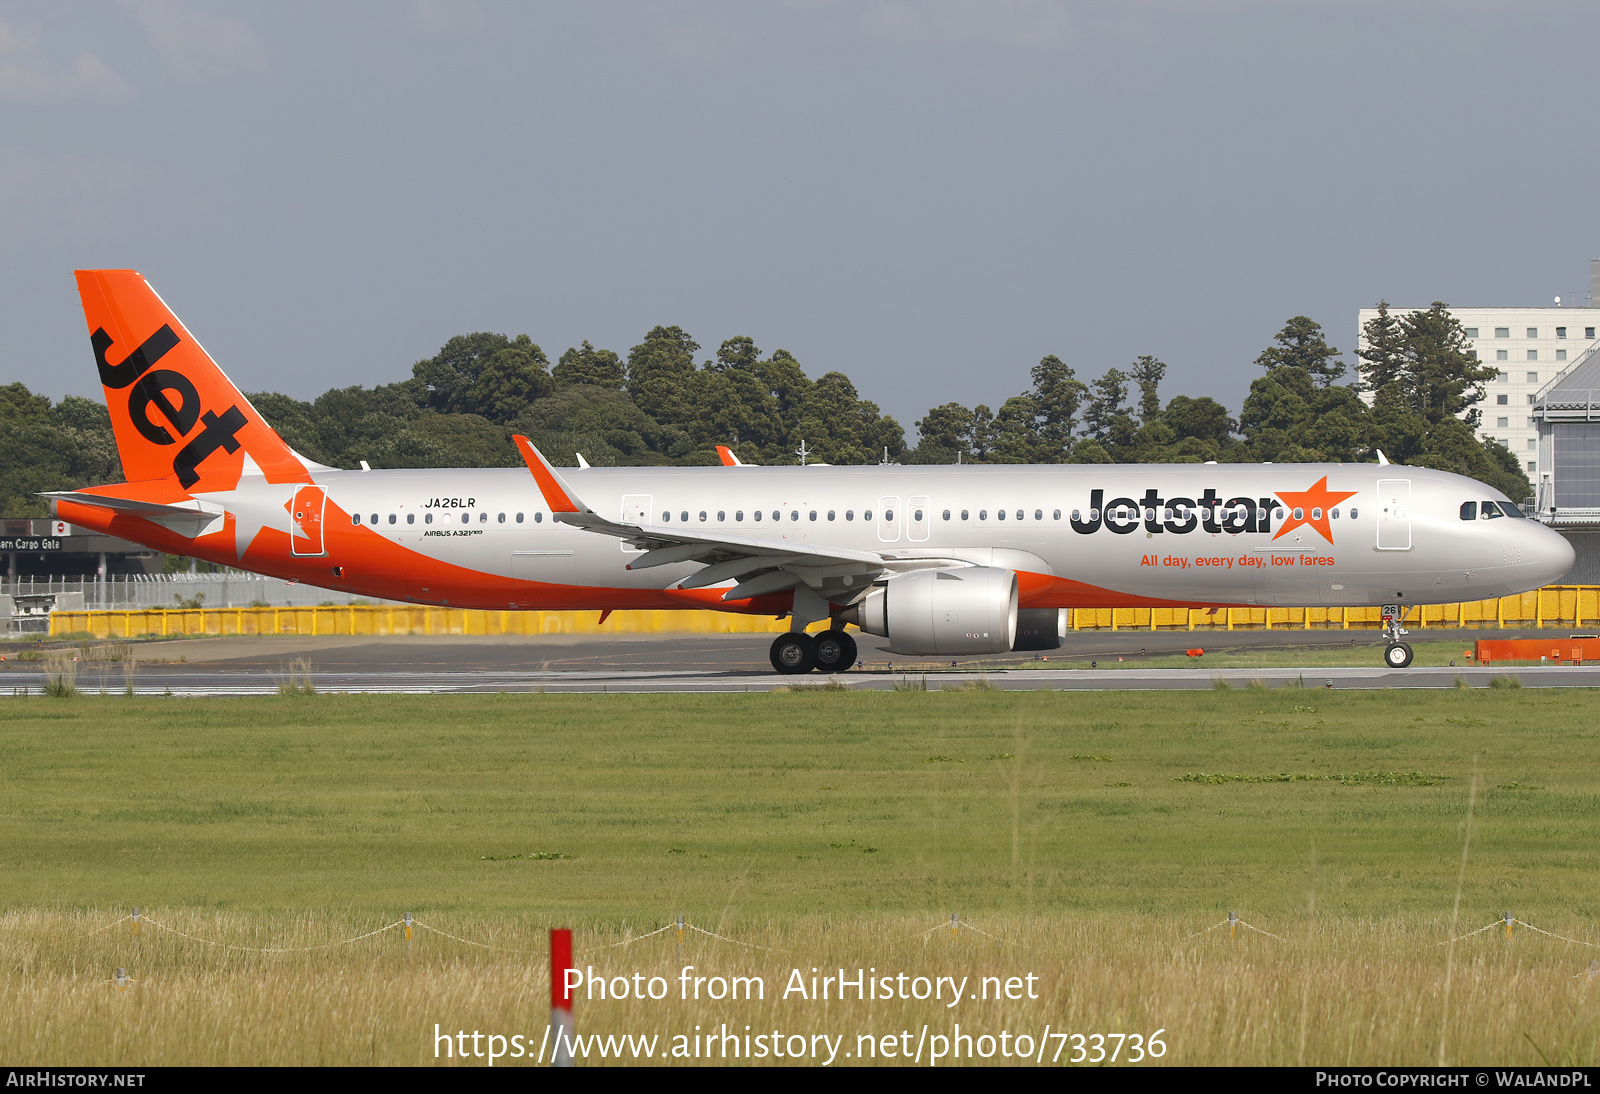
(560, 997)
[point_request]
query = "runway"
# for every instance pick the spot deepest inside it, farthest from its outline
(735, 663)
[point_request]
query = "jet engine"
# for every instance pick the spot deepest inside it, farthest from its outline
(942, 612)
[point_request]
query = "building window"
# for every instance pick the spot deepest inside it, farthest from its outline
(1503, 377)
(1533, 444)
(1472, 353)
(1470, 332)
(1533, 377)
(1503, 423)
(1561, 332)
(1561, 355)
(1502, 400)
(1533, 355)
(1532, 466)
(1502, 332)
(1533, 332)
(1502, 355)
(1531, 400)
(1588, 332)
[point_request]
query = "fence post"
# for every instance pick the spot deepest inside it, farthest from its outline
(1233, 924)
(1509, 920)
(680, 938)
(561, 1026)
(136, 921)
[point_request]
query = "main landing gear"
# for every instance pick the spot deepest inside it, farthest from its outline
(797, 652)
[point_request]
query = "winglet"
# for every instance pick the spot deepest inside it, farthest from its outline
(728, 458)
(1383, 461)
(556, 494)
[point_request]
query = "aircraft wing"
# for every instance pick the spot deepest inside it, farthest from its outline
(726, 557)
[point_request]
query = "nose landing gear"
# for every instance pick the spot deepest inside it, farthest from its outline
(1396, 654)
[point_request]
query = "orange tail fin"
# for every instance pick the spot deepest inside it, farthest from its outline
(173, 411)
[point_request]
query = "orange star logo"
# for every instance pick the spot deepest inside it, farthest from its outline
(1311, 507)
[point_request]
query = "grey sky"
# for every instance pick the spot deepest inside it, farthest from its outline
(925, 194)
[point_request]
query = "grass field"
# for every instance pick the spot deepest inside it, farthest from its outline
(834, 826)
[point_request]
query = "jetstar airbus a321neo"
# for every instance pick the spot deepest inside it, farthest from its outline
(940, 560)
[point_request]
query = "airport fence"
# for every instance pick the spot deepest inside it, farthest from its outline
(1569, 606)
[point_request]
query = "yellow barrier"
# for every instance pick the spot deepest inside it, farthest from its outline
(387, 620)
(1572, 606)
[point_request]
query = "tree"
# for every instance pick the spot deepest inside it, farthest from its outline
(595, 367)
(1106, 420)
(485, 374)
(1442, 377)
(1383, 358)
(1147, 373)
(660, 370)
(1300, 345)
(1057, 394)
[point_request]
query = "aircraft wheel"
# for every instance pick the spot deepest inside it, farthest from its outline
(836, 651)
(1397, 655)
(794, 653)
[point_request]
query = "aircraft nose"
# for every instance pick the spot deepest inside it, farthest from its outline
(1556, 555)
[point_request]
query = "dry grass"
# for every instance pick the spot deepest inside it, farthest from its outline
(1332, 993)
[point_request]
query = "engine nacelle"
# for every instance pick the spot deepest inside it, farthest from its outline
(1041, 629)
(968, 610)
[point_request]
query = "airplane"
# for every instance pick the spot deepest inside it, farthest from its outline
(940, 560)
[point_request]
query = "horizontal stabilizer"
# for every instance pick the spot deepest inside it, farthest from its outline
(191, 520)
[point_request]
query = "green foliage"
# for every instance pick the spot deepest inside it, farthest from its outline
(45, 447)
(485, 374)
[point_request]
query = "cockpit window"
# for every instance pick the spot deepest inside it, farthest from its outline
(1490, 511)
(1512, 511)
(1469, 510)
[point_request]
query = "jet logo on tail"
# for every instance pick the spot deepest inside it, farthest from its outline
(154, 389)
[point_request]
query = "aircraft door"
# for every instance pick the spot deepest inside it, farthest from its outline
(305, 527)
(919, 519)
(1394, 514)
(889, 519)
(635, 510)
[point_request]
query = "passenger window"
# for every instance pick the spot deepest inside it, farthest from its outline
(983, 514)
(1000, 514)
(776, 515)
(519, 518)
(428, 519)
(1334, 514)
(1299, 514)
(917, 516)
(1020, 514)
(538, 518)
(964, 515)
(392, 518)
(888, 514)
(794, 514)
(1057, 515)
(813, 514)
(466, 518)
(666, 518)
(355, 518)
(483, 518)
(722, 516)
(1316, 514)
(947, 514)
(684, 516)
(1469, 510)
(702, 516)
(1354, 513)
(1038, 514)
(849, 514)
(502, 518)
(738, 516)
(1094, 514)
(866, 514)
(830, 514)
(411, 518)
(758, 514)
(1075, 514)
